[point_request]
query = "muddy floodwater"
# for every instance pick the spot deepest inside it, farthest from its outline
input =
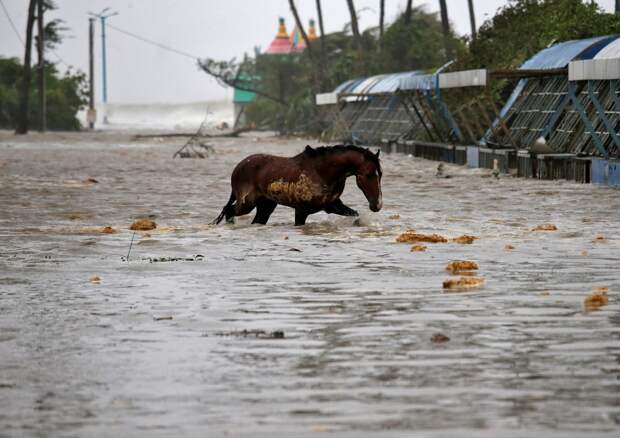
(330, 329)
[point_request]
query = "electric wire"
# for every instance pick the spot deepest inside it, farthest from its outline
(8, 16)
(154, 43)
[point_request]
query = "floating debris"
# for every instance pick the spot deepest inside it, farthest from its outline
(457, 266)
(599, 239)
(91, 180)
(412, 236)
(107, 230)
(95, 280)
(465, 239)
(463, 283)
(597, 299)
(545, 227)
(196, 258)
(162, 318)
(418, 248)
(508, 248)
(143, 225)
(439, 338)
(394, 216)
(584, 253)
(255, 333)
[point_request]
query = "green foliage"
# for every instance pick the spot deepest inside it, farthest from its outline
(65, 95)
(524, 27)
(415, 46)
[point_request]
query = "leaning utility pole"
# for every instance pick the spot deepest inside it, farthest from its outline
(445, 25)
(472, 18)
(91, 115)
(41, 50)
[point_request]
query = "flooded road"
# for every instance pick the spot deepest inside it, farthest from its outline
(282, 331)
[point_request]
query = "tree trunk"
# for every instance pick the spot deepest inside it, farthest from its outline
(354, 28)
(617, 6)
(445, 25)
(408, 12)
(472, 18)
(300, 26)
(316, 75)
(319, 13)
(382, 18)
(41, 52)
(23, 120)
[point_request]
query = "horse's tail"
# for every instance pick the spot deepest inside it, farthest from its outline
(227, 211)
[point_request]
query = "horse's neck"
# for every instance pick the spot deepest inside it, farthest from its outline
(346, 165)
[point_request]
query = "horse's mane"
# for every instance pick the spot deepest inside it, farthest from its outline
(322, 151)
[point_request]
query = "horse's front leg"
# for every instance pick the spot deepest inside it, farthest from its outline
(300, 216)
(337, 207)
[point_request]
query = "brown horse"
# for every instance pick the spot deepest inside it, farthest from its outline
(309, 182)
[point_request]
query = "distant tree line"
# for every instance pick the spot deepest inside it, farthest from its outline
(63, 94)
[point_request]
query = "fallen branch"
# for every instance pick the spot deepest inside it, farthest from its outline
(233, 133)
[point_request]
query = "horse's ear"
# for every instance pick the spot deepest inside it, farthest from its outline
(378, 152)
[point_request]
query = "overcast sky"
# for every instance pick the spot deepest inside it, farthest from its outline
(219, 29)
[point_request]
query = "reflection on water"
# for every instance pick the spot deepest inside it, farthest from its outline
(155, 347)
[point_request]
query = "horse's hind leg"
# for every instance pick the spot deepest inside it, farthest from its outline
(243, 206)
(337, 207)
(264, 208)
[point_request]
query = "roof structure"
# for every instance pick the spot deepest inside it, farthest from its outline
(387, 83)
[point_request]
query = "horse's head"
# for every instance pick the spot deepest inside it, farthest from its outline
(368, 178)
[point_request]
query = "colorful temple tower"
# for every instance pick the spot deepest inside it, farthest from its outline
(299, 45)
(281, 44)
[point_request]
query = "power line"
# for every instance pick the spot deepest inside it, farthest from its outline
(8, 16)
(154, 43)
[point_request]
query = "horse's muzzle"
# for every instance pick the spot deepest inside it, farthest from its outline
(376, 207)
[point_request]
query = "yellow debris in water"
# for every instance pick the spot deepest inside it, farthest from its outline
(597, 299)
(508, 248)
(545, 227)
(600, 239)
(584, 253)
(107, 230)
(95, 279)
(465, 239)
(143, 225)
(458, 266)
(412, 236)
(394, 216)
(418, 248)
(463, 283)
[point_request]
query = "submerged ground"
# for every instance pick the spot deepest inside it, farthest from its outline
(283, 331)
